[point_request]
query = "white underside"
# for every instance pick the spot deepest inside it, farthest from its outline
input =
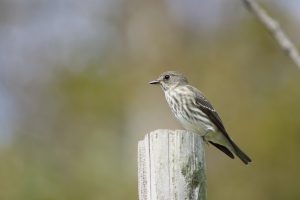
(210, 133)
(200, 128)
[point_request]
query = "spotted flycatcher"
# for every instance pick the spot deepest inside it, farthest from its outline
(196, 114)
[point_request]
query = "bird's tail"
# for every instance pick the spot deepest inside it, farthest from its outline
(240, 153)
(224, 143)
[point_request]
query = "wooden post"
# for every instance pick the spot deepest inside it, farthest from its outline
(171, 166)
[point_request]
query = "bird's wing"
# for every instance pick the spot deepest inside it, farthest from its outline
(205, 106)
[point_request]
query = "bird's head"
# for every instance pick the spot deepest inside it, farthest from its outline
(170, 79)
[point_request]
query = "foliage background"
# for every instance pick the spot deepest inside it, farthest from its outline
(74, 98)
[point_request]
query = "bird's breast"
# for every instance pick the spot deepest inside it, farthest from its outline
(191, 118)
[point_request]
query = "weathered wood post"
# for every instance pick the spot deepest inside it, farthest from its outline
(171, 166)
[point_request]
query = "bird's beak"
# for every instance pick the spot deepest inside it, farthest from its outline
(154, 82)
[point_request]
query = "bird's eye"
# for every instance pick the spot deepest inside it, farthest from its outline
(166, 77)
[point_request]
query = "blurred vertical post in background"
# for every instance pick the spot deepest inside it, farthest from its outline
(171, 165)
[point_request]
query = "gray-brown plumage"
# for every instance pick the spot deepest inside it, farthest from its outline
(196, 114)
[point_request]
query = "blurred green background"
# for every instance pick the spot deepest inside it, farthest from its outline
(75, 99)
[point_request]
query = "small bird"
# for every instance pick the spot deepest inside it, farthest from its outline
(196, 114)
